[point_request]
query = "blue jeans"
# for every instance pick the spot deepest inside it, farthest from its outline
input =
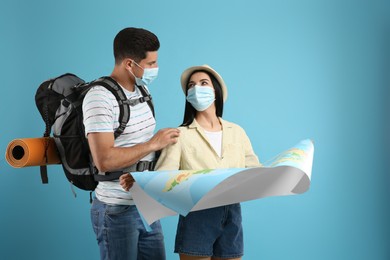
(121, 234)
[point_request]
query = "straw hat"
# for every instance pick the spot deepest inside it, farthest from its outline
(185, 76)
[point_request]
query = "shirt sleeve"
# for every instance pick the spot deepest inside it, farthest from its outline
(170, 157)
(98, 110)
(251, 159)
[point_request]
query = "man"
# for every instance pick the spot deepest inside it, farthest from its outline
(117, 224)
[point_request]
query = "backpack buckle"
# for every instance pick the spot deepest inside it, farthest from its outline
(152, 165)
(131, 102)
(134, 102)
(142, 166)
(145, 165)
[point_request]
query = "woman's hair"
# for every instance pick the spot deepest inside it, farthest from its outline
(134, 43)
(190, 111)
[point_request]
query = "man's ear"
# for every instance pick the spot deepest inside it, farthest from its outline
(128, 63)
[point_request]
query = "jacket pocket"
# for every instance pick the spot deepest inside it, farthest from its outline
(234, 155)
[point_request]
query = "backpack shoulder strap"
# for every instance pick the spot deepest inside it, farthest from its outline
(148, 98)
(117, 91)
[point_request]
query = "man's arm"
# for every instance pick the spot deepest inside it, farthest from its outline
(109, 158)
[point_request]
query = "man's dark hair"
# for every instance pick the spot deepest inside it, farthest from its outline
(134, 43)
(190, 111)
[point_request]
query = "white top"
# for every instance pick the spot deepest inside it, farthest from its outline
(215, 139)
(101, 114)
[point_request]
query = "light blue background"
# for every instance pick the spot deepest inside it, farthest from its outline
(294, 69)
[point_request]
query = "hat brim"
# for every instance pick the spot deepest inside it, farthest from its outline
(185, 76)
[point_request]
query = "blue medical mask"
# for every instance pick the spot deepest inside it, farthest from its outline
(201, 98)
(150, 74)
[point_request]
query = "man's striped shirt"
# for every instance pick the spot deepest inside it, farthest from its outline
(101, 114)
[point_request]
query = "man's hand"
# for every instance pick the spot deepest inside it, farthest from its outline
(164, 137)
(126, 181)
(107, 157)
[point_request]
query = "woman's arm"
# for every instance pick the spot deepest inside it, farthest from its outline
(168, 160)
(170, 157)
(251, 159)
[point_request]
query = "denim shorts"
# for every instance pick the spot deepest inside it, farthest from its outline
(211, 232)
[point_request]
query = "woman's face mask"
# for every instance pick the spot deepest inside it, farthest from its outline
(201, 97)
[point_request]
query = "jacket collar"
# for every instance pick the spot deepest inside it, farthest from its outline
(196, 125)
(226, 133)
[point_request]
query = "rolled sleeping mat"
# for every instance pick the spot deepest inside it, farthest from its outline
(32, 152)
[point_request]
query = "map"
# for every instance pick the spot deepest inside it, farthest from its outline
(182, 176)
(158, 194)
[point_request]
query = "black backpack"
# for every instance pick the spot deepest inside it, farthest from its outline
(59, 101)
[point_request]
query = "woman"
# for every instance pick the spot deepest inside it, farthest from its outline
(208, 142)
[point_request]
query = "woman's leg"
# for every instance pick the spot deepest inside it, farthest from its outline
(217, 258)
(189, 257)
